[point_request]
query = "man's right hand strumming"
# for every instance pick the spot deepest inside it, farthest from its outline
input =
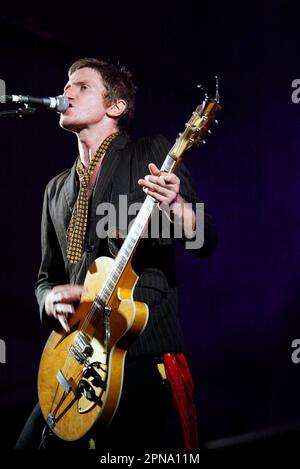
(59, 302)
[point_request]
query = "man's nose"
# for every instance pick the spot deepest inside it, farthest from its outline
(70, 93)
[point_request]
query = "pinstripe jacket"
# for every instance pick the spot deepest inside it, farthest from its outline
(154, 261)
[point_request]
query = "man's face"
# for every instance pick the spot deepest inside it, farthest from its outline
(85, 91)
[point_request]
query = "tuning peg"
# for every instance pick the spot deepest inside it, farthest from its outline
(209, 131)
(216, 122)
(203, 142)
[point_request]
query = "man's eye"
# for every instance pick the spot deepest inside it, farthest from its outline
(84, 87)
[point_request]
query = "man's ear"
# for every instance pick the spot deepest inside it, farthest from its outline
(117, 108)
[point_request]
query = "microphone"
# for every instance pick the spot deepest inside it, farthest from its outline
(59, 103)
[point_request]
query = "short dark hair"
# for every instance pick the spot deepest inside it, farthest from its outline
(118, 83)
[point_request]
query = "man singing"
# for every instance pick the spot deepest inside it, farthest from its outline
(156, 409)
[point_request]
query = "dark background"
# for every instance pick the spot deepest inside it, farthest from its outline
(239, 308)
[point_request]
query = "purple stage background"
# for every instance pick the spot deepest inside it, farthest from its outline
(239, 308)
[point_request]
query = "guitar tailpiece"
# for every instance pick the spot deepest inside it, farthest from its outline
(50, 422)
(47, 432)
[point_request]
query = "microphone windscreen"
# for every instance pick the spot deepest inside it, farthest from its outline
(62, 103)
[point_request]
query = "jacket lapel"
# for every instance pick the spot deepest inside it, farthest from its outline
(103, 188)
(109, 165)
(70, 188)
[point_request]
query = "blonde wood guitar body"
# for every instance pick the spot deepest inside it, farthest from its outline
(80, 377)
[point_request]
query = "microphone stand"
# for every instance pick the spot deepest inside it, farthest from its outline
(20, 112)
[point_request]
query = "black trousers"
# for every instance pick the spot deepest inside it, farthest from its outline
(145, 419)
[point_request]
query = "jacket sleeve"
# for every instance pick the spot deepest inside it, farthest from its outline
(52, 270)
(159, 150)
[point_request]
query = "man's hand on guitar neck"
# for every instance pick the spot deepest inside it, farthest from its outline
(164, 187)
(59, 302)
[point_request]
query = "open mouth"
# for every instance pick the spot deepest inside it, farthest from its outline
(69, 107)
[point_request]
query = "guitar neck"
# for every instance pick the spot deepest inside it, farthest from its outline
(134, 236)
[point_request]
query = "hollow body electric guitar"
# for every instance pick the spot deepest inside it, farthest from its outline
(81, 372)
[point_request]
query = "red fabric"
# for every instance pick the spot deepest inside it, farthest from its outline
(182, 388)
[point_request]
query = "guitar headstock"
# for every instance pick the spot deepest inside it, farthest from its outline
(198, 125)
